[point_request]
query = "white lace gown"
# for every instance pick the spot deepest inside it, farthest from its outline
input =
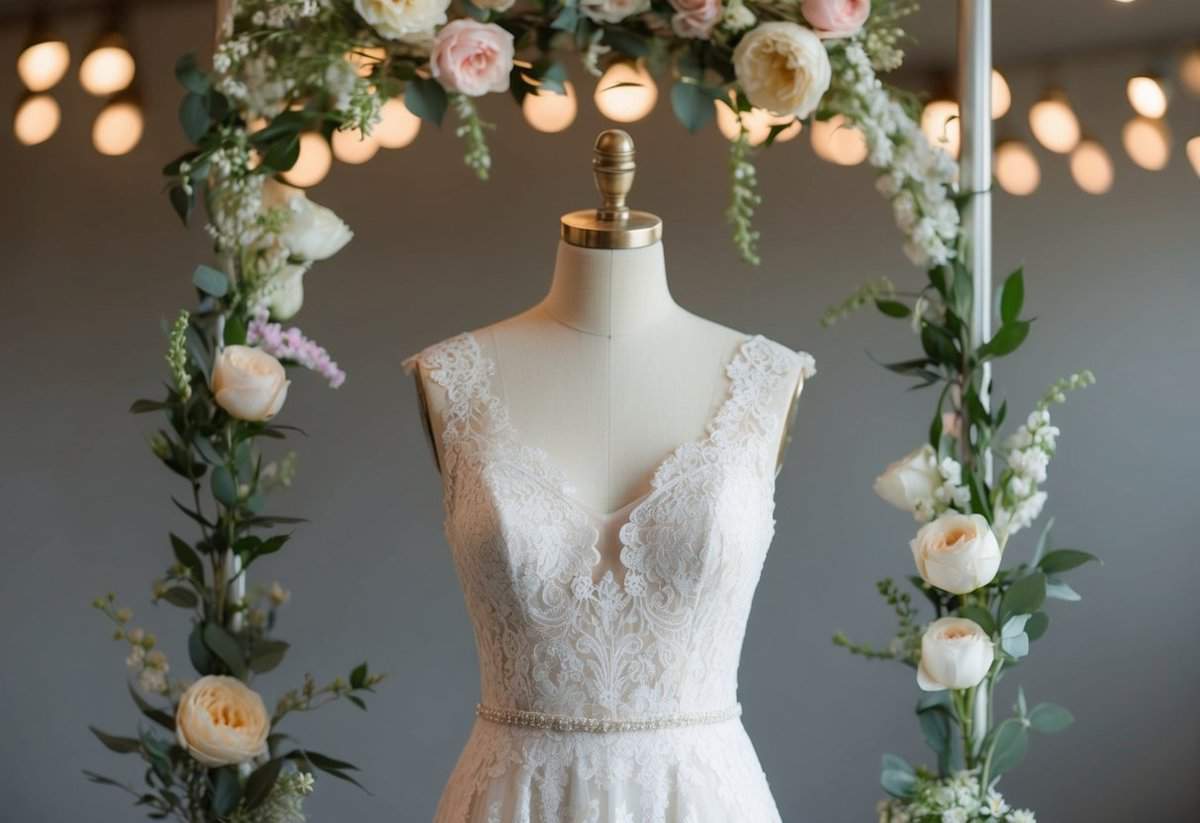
(610, 697)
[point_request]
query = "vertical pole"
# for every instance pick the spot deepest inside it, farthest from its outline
(975, 179)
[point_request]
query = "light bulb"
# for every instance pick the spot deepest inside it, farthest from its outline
(108, 67)
(118, 128)
(758, 123)
(37, 119)
(313, 163)
(1148, 142)
(1001, 95)
(350, 146)
(1189, 70)
(1091, 167)
(549, 111)
(397, 126)
(941, 124)
(365, 58)
(1147, 94)
(1193, 153)
(626, 103)
(1017, 168)
(43, 64)
(1054, 124)
(837, 142)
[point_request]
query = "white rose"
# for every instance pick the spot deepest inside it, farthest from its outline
(222, 722)
(287, 292)
(310, 231)
(783, 68)
(909, 483)
(955, 654)
(249, 383)
(957, 553)
(612, 11)
(403, 19)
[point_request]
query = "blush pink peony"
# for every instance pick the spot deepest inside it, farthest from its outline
(696, 18)
(472, 58)
(836, 18)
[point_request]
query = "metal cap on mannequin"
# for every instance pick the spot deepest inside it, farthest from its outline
(613, 225)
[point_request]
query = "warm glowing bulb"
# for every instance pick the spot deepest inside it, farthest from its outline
(1147, 95)
(107, 69)
(118, 128)
(550, 111)
(350, 146)
(1017, 168)
(1091, 167)
(1193, 153)
(940, 122)
(37, 119)
(837, 142)
(1001, 95)
(365, 59)
(626, 103)
(313, 163)
(397, 126)
(1054, 124)
(43, 64)
(758, 124)
(1148, 142)
(1189, 70)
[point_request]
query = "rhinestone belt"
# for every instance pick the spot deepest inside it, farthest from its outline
(597, 725)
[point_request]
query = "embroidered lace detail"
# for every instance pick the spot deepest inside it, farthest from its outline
(663, 638)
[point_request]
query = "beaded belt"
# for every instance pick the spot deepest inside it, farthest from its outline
(597, 725)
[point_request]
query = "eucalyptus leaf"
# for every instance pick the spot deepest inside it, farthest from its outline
(981, 616)
(1016, 646)
(1015, 625)
(1037, 625)
(1012, 297)
(1049, 718)
(194, 117)
(1025, 596)
(1008, 746)
(1058, 590)
(120, 745)
(210, 281)
(226, 647)
(692, 104)
(426, 98)
(267, 655)
(181, 596)
(202, 658)
(189, 75)
(227, 790)
(224, 487)
(897, 777)
(1061, 560)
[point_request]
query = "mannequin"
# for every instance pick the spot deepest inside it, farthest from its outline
(607, 374)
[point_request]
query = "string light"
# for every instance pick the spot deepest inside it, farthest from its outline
(1147, 94)
(1017, 168)
(397, 126)
(548, 111)
(44, 60)
(118, 127)
(758, 124)
(837, 142)
(626, 93)
(350, 146)
(365, 58)
(1053, 122)
(109, 67)
(313, 163)
(36, 120)
(1189, 70)
(1193, 153)
(1091, 167)
(1148, 142)
(1001, 95)
(940, 122)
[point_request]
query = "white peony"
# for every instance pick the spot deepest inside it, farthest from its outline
(909, 483)
(957, 553)
(955, 654)
(248, 383)
(310, 231)
(783, 68)
(403, 19)
(612, 11)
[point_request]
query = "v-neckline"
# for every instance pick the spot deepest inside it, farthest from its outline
(630, 509)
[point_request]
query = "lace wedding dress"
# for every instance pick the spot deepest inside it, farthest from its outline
(609, 697)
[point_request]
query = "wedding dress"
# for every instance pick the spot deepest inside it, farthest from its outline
(609, 696)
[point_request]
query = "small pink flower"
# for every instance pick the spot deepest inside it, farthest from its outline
(472, 58)
(836, 18)
(696, 18)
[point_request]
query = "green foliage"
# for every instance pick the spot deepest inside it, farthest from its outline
(744, 198)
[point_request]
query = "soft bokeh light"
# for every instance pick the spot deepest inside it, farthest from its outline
(118, 128)
(43, 64)
(1148, 142)
(626, 103)
(350, 146)
(941, 124)
(1091, 167)
(1147, 94)
(397, 126)
(1054, 123)
(1193, 153)
(549, 111)
(1001, 95)
(1189, 70)
(1017, 168)
(313, 164)
(36, 120)
(365, 58)
(758, 124)
(108, 68)
(837, 142)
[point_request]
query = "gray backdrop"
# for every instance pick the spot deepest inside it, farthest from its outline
(93, 259)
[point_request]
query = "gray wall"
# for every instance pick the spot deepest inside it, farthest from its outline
(93, 259)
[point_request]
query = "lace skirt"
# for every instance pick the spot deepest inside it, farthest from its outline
(697, 774)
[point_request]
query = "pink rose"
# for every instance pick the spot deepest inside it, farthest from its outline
(696, 18)
(836, 18)
(472, 58)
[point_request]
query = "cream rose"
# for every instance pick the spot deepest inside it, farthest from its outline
(696, 18)
(249, 383)
(612, 11)
(222, 722)
(472, 58)
(403, 19)
(909, 483)
(783, 68)
(287, 292)
(836, 18)
(956, 653)
(310, 231)
(957, 553)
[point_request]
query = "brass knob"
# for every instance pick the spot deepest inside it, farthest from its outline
(613, 225)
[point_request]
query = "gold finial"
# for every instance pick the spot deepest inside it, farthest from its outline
(613, 225)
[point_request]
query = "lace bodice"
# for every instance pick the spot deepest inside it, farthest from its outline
(660, 633)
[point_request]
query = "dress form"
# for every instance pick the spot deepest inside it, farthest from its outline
(607, 374)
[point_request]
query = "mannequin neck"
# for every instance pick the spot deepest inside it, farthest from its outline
(608, 292)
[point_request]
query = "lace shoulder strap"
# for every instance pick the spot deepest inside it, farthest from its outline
(762, 376)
